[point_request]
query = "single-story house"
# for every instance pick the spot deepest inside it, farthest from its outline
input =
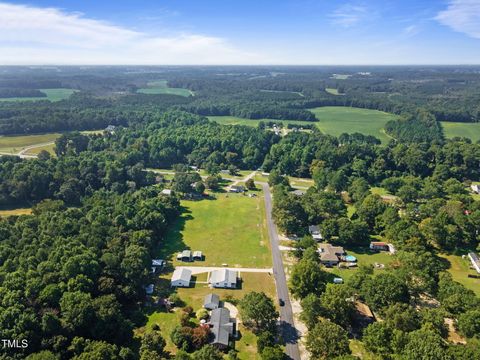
(149, 289)
(379, 246)
(181, 277)
(167, 192)
(211, 302)
(185, 255)
(237, 189)
(197, 255)
(475, 260)
(314, 230)
(223, 278)
(222, 327)
(158, 262)
(475, 188)
(329, 254)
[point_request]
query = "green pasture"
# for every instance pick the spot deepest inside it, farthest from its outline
(161, 87)
(52, 95)
(459, 129)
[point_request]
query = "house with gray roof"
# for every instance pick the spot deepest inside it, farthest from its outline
(223, 278)
(185, 255)
(181, 277)
(197, 255)
(222, 328)
(211, 302)
(314, 230)
(475, 260)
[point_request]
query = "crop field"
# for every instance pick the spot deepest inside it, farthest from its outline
(469, 130)
(335, 120)
(52, 95)
(217, 227)
(19, 211)
(161, 87)
(15, 144)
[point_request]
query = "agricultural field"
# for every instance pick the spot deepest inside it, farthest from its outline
(19, 211)
(332, 91)
(335, 120)
(233, 120)
(460, 268)
(454, 129)
(161, 87)
(15, 144)
(52, 95)
(216, 227)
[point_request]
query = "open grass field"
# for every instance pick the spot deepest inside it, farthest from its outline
(161, 87)
(20, 211)
(335, 120)
(460, 268)
(469, 130)
(332, 91)
(36, 150)
(52, 95)
(15, 144)
(230, 229)
(233, 120)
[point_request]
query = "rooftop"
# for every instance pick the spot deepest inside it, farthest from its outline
(182, 274)
(222, 327)
(223, 275)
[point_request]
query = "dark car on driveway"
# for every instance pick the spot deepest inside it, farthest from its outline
(281, 302)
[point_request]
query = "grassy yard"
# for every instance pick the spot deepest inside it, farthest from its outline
(194, 297)
(335, 120)
(469, 130)
(161, 87)
(20, 211)
(364, 257)
(460, 268)
(52, 95)
(15, 144)
(229, 229)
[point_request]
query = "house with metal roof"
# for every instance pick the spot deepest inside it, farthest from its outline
(181, 277)
(211, 302)
(197, 255)
(222, 328)
(185, 255)
(314, 230)
(475, 260)
(167, 192)
(223, 278)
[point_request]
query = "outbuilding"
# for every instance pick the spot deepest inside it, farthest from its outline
(181, 277)
(211, 302)
(223, 278)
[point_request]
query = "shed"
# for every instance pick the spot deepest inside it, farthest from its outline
(211, 301)
(314, 230)
(167, 192)
(197, 255)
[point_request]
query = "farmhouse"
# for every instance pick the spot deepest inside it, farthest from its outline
(211, 302)
(475, 188)
(330, 255)
(185, 255)
(197, 255)
(181, 277)
(223, 278)
(314, 230)
(237, 189)
(475, 260)
(223, 328)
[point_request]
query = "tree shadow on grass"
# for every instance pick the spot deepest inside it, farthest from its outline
(173, 242)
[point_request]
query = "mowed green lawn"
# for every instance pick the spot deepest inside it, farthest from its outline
(230, 229)
(335, 120)
(15, 144)
(469, 130)
(161, 87)
(460, 268)
(52, 95)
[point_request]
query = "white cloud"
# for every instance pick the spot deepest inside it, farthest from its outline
(462, 16)
(349, 15)
(33, 35)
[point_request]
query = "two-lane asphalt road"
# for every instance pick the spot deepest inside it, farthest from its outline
(288, 330)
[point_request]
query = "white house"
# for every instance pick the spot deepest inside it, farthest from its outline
(181, 277)
(475, 188)
(223, 278)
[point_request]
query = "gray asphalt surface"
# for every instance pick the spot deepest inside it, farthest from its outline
(288, 331)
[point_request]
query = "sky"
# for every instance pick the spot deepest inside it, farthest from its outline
(239, 32)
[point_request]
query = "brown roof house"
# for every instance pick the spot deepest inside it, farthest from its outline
(329, 254)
